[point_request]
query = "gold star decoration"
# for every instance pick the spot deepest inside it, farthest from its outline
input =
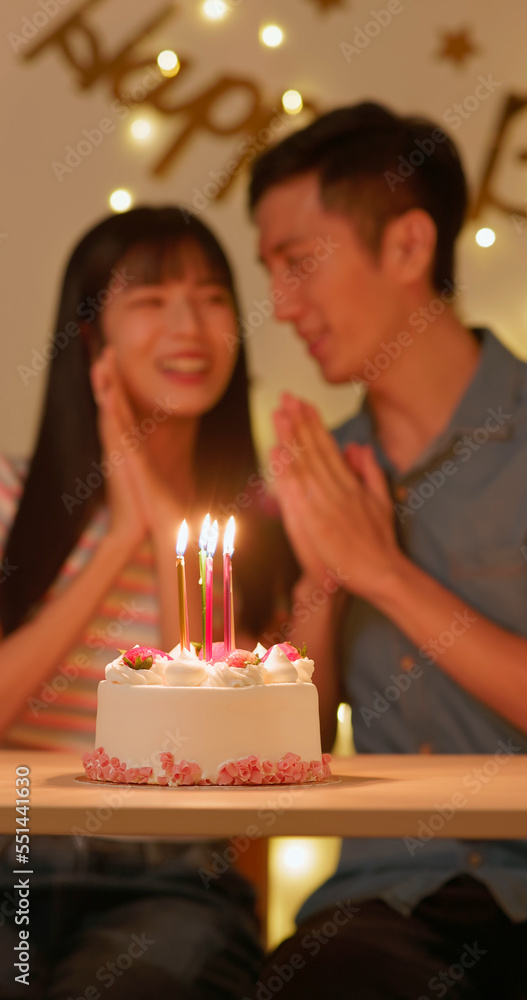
(326, 5)
(457, 46)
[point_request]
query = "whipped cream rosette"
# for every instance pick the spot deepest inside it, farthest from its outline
(185, 669)
(278, 667)
(276, 659)
(138, 665)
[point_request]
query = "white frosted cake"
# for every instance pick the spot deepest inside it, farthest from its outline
(173, 719)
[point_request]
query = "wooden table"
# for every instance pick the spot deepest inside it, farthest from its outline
(372, 795)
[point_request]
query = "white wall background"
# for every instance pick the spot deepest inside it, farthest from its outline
(43, 111)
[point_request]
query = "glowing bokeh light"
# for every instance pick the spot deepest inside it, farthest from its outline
(295, 857)
(140, 129)
(120, 200)
(214, 9)
(292, 102)
(485, 237)
(271, 35)
(168, 62)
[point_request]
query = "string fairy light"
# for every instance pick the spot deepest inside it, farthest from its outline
(168, 62)
(140, 129)
(271, 35)
(485, 237)
(215, 9)
(120, 200)
(292, 102)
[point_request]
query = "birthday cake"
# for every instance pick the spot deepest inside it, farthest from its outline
(245, 718)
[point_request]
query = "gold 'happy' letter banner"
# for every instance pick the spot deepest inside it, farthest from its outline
(79, 44)
(81, 47)
(512, 107)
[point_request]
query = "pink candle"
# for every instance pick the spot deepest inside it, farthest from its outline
(211, 548)
(181, 546)
(228, 604)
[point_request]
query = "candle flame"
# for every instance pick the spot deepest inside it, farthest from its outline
(228, 538)
(212, 540)
(182, 539)
(204, 534)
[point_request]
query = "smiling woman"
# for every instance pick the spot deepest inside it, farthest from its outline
(171, 338)
(146, 422)
(169, 371)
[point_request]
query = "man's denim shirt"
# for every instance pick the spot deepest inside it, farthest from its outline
(461, 515)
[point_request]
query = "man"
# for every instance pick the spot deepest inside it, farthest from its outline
(424, 519)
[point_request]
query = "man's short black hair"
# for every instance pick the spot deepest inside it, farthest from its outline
(374, 165)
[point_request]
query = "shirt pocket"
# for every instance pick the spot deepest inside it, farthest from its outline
(493, 581)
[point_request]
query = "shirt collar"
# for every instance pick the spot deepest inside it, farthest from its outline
(495, 384)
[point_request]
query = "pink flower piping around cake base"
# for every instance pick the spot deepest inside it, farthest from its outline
(289, 770)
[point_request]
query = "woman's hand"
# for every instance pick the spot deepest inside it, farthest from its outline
(336, 508)
(127, 519)
(150, 497)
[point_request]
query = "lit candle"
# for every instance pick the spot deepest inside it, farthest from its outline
(181, 546)
(228, 603)
(203, 538)
(211, 548)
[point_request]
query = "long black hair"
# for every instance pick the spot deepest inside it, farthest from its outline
(68, 448)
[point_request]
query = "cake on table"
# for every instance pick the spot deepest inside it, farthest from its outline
(242, 718)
